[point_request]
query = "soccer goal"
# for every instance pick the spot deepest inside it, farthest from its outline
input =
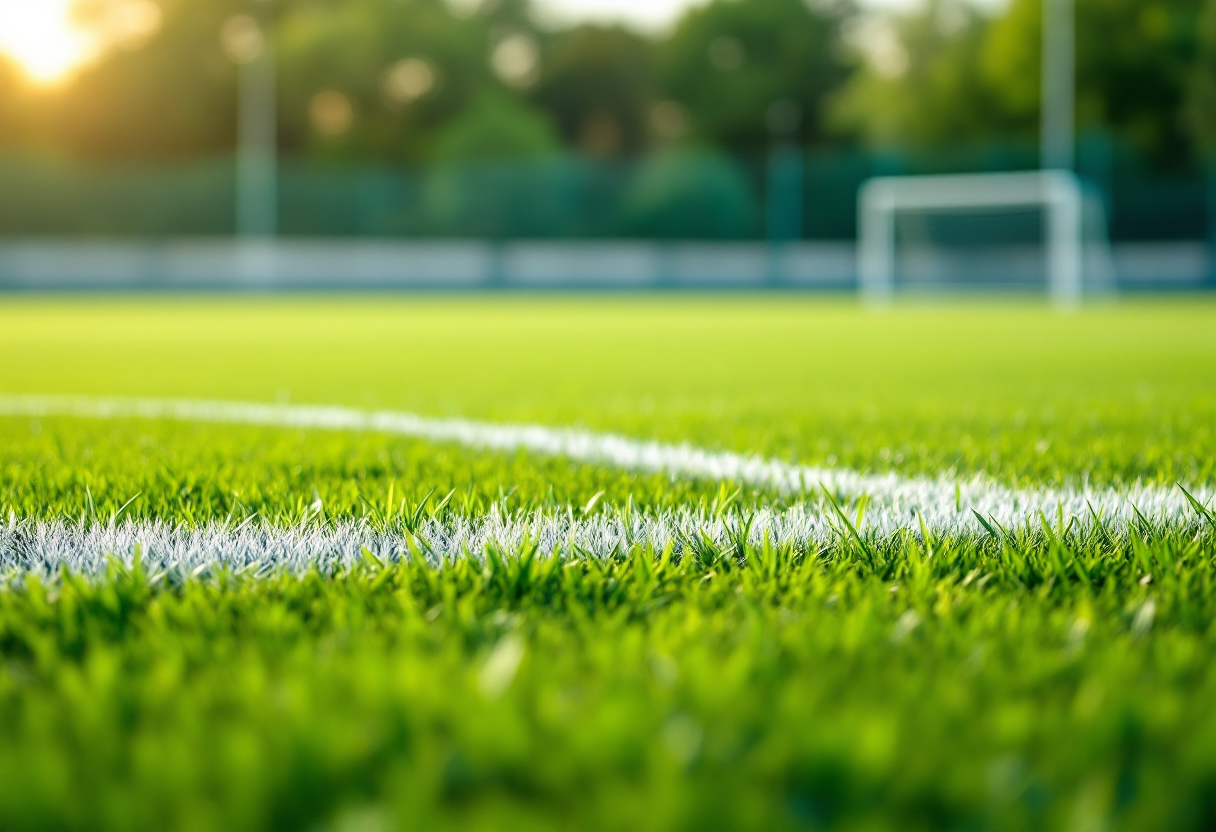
(1005, 232)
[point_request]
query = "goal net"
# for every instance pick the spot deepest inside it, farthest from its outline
(1006, 232)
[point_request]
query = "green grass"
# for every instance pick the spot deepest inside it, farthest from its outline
(1057, 677)
(1114, 393)
(200, 473)
(853, 689)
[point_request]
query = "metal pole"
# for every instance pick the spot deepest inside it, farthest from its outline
(783, 204)
(784, 193)
(1211, 220)
(248, 42)
(257, 153)
(1058, 140)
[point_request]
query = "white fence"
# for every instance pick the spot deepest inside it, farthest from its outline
(322, 265)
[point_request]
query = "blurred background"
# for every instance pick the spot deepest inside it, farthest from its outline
(461, 144)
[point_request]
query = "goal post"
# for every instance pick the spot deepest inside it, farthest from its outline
(1077, 252)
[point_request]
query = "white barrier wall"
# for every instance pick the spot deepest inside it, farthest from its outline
(223, 264)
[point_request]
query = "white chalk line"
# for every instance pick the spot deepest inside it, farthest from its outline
(44, 547)
(893, 501)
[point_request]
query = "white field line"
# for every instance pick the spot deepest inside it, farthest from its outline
(44, 547)
(945, 504)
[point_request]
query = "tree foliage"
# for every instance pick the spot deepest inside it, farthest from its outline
(598, 84)
(394, 81)
(747, 71)
(1201, 103)
(171, 96)
(963, 75)
(920, 84)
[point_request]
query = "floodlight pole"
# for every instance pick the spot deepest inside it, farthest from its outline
(256, 208)
(257, 160)
(1057, 155)
(1058, 125)
(783, 203)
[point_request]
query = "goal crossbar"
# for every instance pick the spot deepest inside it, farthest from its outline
(1058, 193)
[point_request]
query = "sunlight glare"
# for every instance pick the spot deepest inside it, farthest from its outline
(42, 39)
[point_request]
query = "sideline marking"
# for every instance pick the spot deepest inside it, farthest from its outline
(45, 546)
(895, 501)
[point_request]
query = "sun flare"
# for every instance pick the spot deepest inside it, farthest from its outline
(42, 39)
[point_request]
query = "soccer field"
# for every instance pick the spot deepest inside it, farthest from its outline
(606, 563)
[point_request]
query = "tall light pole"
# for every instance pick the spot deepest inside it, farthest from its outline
(785, 182)
(1058, 138)
(248, 44)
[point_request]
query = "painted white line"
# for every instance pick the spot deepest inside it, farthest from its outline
(893, 501)
(44, 547)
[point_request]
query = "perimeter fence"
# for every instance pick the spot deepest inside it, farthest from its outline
(788, 194)
(784, 217)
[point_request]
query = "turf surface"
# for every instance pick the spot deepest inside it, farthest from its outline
(1113, 393)
(1055, 676)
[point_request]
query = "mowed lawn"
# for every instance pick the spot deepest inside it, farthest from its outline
(1056, 675)
(1115, 392)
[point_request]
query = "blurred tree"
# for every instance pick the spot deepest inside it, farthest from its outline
(1134, 61)
(13, 119)
(470, 189)
(405, 71)
(365, 79)
(597, 85)
(746, 71)
(919, 83)
(503, 15)
(496, 127)
(169, 94)
(945, 73)
(402, 81)
(1201, 104)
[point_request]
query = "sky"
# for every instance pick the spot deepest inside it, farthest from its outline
(652, 15)
(655, 15)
